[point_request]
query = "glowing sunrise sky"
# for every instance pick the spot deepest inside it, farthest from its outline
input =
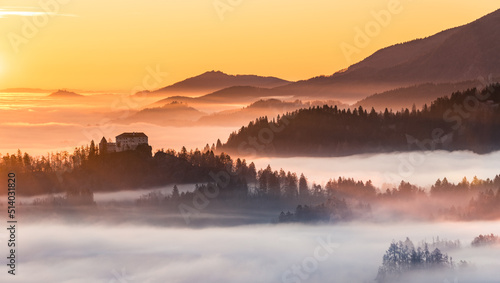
(107, 45)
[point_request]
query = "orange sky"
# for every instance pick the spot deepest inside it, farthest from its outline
(108, 45)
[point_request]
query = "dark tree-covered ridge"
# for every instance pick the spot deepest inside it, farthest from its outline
(467, 120)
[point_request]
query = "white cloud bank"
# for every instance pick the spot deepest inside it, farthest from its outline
(53, 252)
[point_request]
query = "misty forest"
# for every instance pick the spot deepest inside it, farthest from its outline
(127, 156)
(65, 182)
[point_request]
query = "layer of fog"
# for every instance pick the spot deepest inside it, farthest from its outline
(132, 196)
(55, 252)
(37, 124)
(122, 197)
(420, 168)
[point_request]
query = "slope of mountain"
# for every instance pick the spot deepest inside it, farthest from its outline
(264, 107)
(417, 95)
(230, 95)
(174, 113)
(458, 54)
(330, 131)
(215, 80)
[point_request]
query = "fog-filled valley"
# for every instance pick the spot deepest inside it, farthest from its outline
(381, 169)
(185, 205)
(111, 252)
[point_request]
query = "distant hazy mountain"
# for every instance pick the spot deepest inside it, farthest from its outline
(62, 93)
(181, 114)
(230, 95)
(417, 95)
(264, 107)
(215, 80)
(458, 54)
(174, 113)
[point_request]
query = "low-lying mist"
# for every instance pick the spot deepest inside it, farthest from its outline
(419, 168)
(75, 122)
(110, 252)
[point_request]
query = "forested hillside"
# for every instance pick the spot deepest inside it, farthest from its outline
(467, 120)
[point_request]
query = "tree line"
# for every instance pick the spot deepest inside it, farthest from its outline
(467, 120)
(86, 171)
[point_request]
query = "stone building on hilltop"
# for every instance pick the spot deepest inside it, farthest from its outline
(124, 142)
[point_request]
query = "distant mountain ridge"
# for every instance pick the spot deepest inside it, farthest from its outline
(235, 94)
(216, 80)
(174, 113)
(264, 107)
(458, 54)
(417, 95)
(65, 94)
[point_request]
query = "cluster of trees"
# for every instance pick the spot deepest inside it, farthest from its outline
(347, 199)
(445, 189)
(459, 122)
(43, 174)
(87, 169)
(442, 244)
(486, 240)
(485, 206)
(481, 201)
(276, 184)
(405, 191)
(333, 210)
(77, 176)
(359, 190)
(403, 257)
(343, 187)
(52, 162)
(73, 197)
(207, 158)
(480, 198)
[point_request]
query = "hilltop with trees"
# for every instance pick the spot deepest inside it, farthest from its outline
(467, 120)
(79, 175)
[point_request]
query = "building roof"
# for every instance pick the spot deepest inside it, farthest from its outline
(103, 140)
(132, 135)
